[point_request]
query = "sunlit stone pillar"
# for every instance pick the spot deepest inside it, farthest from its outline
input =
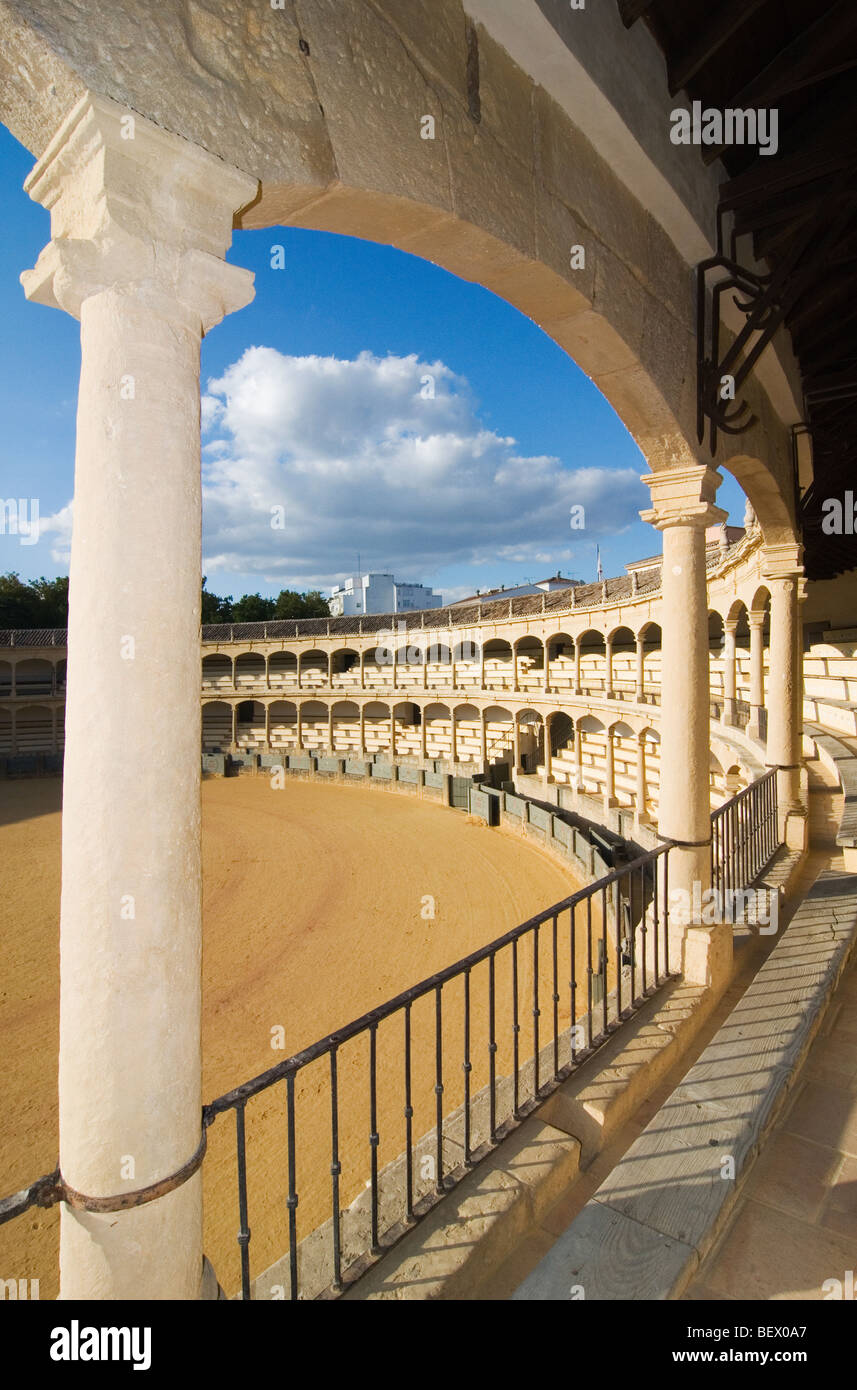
(330, 727)
(140, 222)
(609, 771)
(548, 753)
(757, 673)
(453, 739)
(640, 676)
(608, 668)
(518, 767)
(483, 737)
(577, 667)
(516, 680)
(640, 798)
(783, 573)
(578, 760)
(729, 703)
(682, 507)
(423, 736)
(362, 670)
(234, 724)
(299, 726)
(268, 725)
(547, 681)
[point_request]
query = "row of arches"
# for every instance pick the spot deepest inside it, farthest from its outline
(616, 761)
(31, 676)
(32, 729)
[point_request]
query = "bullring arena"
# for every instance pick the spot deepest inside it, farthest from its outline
(556, 698)
(503, 950)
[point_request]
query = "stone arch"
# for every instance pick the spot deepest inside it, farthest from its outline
(216, 725)
(282, 669)
(498, 656)
(250, 670)
(216, 671)
(344, 666)
(313, 668)
(282, 723)
(34, 676)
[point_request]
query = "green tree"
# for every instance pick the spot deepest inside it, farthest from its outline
(214, 609)
(252, 608)
(33, 603)
(291, 604)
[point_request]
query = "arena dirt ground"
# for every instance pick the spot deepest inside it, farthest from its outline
(313, 903)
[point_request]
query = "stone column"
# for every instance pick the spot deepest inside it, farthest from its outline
(640, 797)
(14, 680)
(392, 731)
(423, 729)
(268, 725)
(578, 759)
(300, 670)
(609, 771)
(783, 573)
(483, 736)
(453, 749)
(362, 670)
(608, 668)
(482, 666)
(683, 506)
(54, 747)
(577, 667)
(640, 680)
(299, 727)
(517, 743)
(757, 673)
(234, 725)
(729, 714)
(140, 222)
(547, 647)
(515, 678)
(14, 730)
(330, 728)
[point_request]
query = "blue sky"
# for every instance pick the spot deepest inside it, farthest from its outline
(317, 411)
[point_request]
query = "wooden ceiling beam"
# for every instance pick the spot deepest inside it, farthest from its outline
(804, 61)
(632, 10)
(728, 19)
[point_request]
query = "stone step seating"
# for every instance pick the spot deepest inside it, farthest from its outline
(663, 1205)
(839, 755)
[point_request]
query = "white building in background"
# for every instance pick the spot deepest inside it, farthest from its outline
(379, 593)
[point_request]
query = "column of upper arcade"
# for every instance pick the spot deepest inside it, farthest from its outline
(136, 209)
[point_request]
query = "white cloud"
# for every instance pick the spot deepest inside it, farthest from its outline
(358, 455)
(59, 525)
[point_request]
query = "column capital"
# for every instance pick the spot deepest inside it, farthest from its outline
(684, 497)
(136, 208)
(784, 561)
(756, 618)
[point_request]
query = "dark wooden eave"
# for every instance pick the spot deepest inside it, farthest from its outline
(799, 205)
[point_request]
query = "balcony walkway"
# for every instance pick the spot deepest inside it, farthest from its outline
(666, 1220)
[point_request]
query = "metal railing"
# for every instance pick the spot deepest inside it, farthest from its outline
(744, 835)
(587, 963)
